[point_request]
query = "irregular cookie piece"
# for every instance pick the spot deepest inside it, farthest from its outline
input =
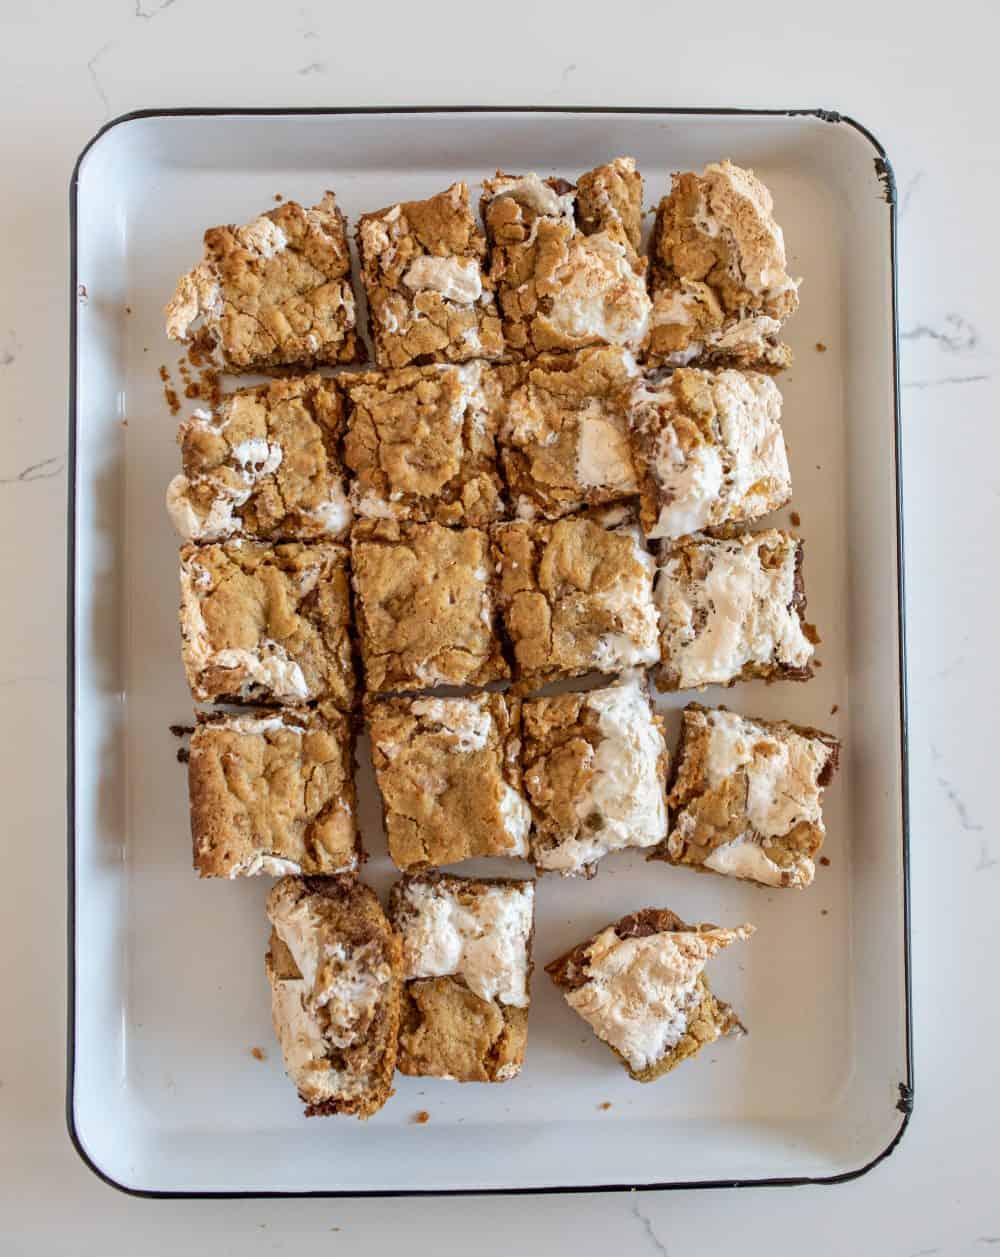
(730, 610)
(273, 792)
(466, 968)
(611, 194)
(335, 968)
(595, 768)
(720, 288)
(428, 297)
(559, 288)
(449, 773)
(424, 602)
(422, 444)
(564, 435)
(267, 623)
(746, 797)
(274, 293)
(576, 596)
(264, 465)
(708, 450)
(640, 986)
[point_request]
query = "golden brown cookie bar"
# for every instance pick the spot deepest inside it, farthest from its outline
(559, 287)
(428, 297)
(708, 449)
(449, 773)
(264, 465)
(576, 597)
(273, 792)
(611, 194)
(564, 432)
(265, 623)
(424, 601)
(595, 769)
(466, 969)
(721, 290)
(421, 442)
(746, 799)
(335, 968)
(731, 609)
(276, 292)
(640, 986)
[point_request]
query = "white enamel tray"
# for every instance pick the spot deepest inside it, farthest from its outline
(167, 991)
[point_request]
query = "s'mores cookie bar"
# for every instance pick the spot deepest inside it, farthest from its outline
(610, 195)
(721, 290)
(273, 792)
(422, 444)
(708, 449)
(731, 609)
(595, 768)
(449, 773)
(466, 968)
(275, 293)
(641, 987)
(264, 465)
(424, 600)
(576, 596)
(267, 623)
(564, 432)
(428, 297)
(558, 287)
(746, 797)
(335, 968)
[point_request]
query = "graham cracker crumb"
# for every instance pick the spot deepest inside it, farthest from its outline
(834, 709)
(820, 347)
(164, 373)
(796, 519)
(183, 755)
(825, 861)
(421, 1118)
(605, 1106)
(128, 309)
(824, 912)
(811, 632)
(258, 1054)
(180, 731)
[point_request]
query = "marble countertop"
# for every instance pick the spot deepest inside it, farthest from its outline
(923, 85)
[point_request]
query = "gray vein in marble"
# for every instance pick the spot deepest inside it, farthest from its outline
(983, 865)
(47, 469)
(647, 1226)
(945, 379)
(961, 337)
(92, 71)
(911, 186)
(9, 352)
(566, 73)
(988, 1239)
(924, 1252)
(957, 802)
(308, 32)
(950, 668)
(148, 16)
(314, 67)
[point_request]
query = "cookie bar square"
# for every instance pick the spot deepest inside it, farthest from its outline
(731, 609)
(273, 792)
(274, 293)
(424, 601)
(640, 986)
(564, 434)
(611, 195)
(267, 624)
(721, 289)
(335, 968)
(746, 799)
(595, 769)
(559, 287)
(576, 596)
(429, 299)
(466, 969)
(421, 442)
(264, 465)
(709, 450)
(448, 770)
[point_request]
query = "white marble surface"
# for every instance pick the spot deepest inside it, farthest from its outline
(922, 79)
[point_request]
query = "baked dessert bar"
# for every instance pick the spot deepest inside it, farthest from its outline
(564, 433)
(595, 768)
(421, 442)
(273, 792)
(274, 293)
(576, 596)
(264, 465)
(424, 601)
(721, 290)
(611, 195)
(466, 969)
(335, 968)
(731, 609)
(264, 623)
(746, 797)
(640, 986)
(429, 299)
(449, 773)
(558, 287)
(708, 450)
